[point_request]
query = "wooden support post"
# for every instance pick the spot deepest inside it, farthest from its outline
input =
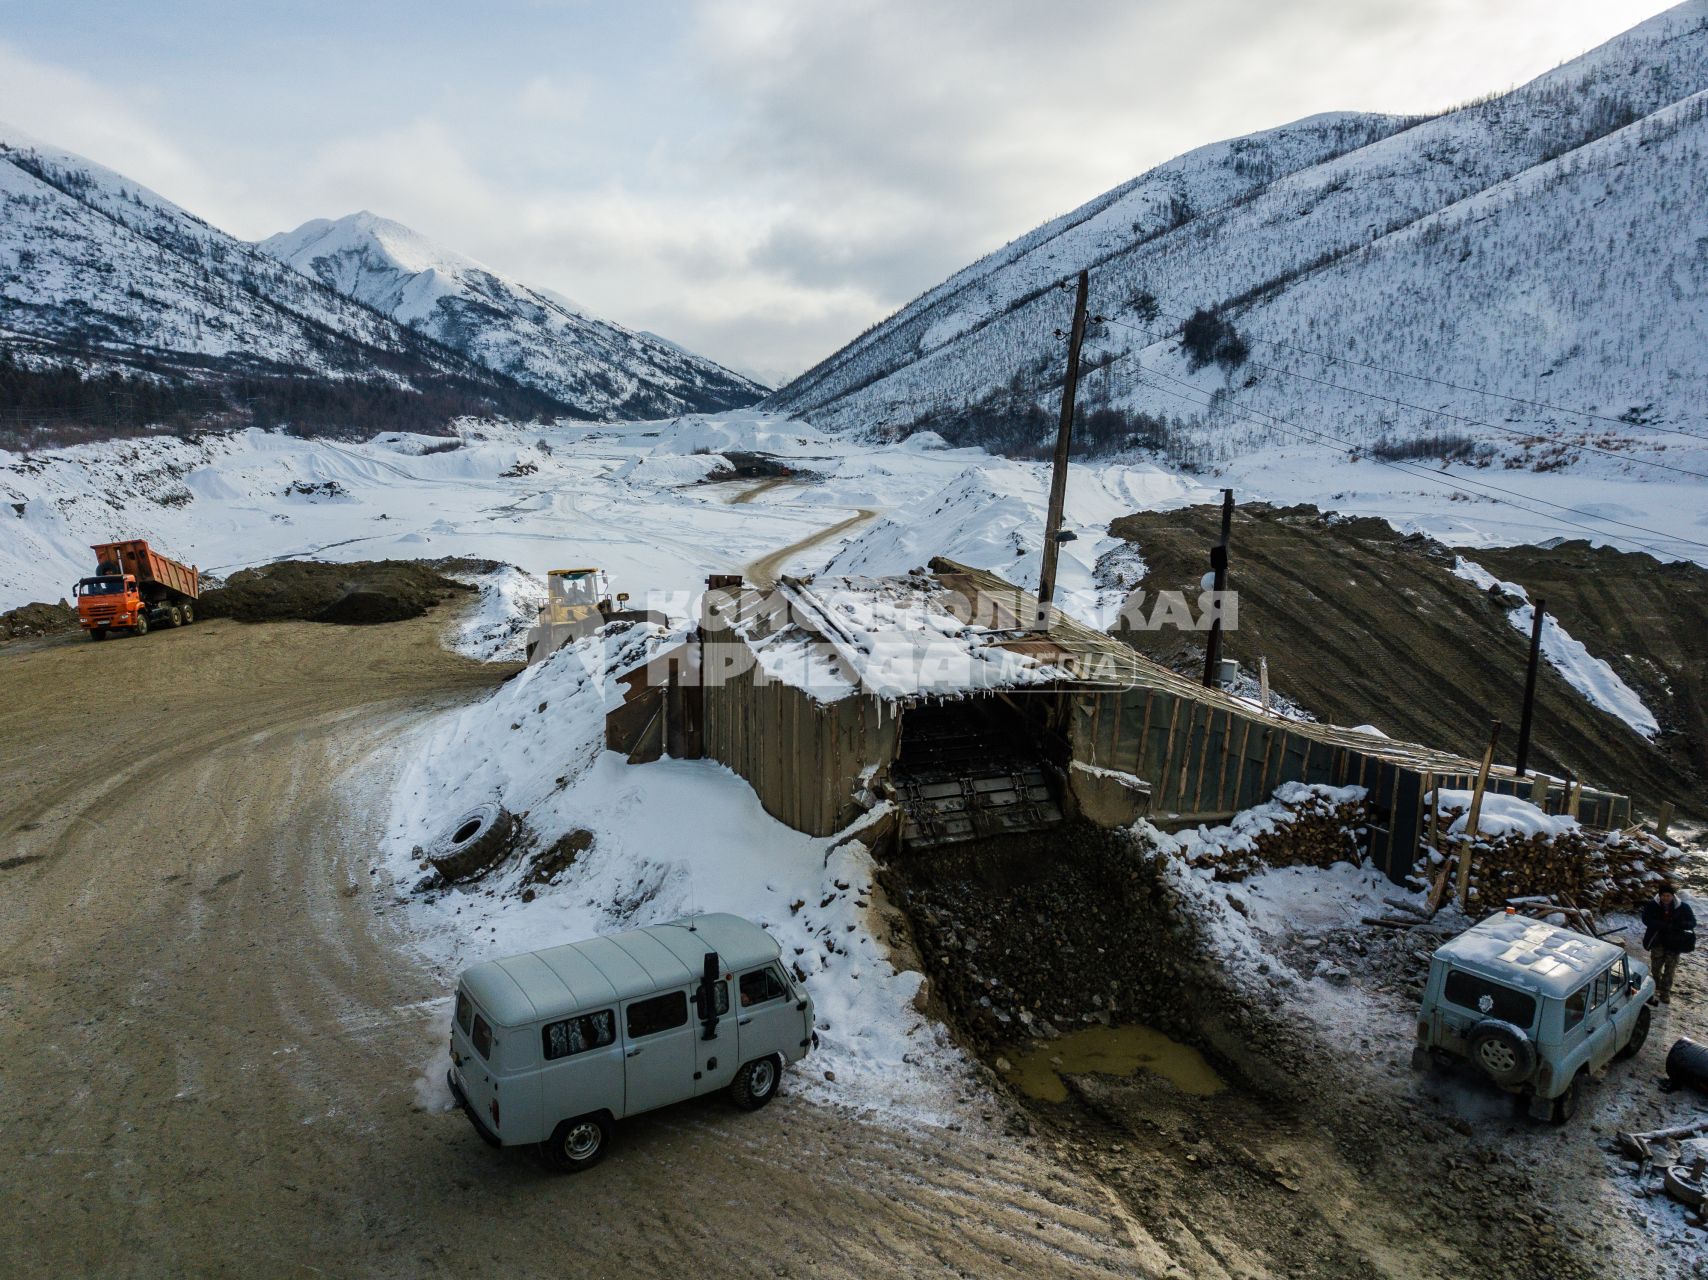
(1058, 472)
(1219, 567)
(1664, 821)
(1263, 683)
(1540, 611)
(1475, 816)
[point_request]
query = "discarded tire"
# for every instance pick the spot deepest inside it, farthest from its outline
(1503, 1051)
(1687, 1065)
(474, 843)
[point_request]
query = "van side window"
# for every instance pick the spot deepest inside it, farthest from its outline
(659, 1013)
(1575, 1005)
(578, 1035)
(481, 1037)
(762, 986)
(465, 1012)
(1599, 997)
(1622, 974)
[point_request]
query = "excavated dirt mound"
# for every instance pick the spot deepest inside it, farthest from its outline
(1646, 619)
(37, 619)
(364, 592)
(1363, 625)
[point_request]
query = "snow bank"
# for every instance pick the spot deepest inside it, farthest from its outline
(497, 629)
(1589, 675)
(668, 839)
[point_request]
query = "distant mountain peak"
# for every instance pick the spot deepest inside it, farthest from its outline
(536, 336)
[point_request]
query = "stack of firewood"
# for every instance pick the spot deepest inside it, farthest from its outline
(1598, 870)
(1312, 831)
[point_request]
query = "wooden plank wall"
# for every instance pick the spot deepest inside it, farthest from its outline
(803, 758)
(1206, 762)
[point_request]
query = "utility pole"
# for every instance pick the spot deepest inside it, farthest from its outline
(1058, 473)
(1540, 610)
(1219, 567)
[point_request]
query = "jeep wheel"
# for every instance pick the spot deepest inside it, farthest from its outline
(1639, 1036)
(1566, 1105)
(1503, 1051)
(578, 1144)
(756, 1083)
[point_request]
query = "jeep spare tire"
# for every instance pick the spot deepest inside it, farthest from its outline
(473, 844)
(1502, 1051)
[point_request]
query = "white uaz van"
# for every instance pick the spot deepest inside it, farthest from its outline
(553, 1046)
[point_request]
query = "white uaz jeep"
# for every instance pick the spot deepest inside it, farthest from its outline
(1534, 1007)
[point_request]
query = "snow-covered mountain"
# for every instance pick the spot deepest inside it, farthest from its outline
(539, 338)
(93, 264)
(1544, 247)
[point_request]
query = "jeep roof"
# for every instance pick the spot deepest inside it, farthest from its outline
(1529, 954)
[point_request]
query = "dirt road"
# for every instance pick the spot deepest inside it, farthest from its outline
(764, 571)
(211, 1031)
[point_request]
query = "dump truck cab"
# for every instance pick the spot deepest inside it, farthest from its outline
(552, 1047)
(1534, 1007)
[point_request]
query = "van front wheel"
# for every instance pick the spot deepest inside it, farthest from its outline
(756, 1083)
(578, 1144)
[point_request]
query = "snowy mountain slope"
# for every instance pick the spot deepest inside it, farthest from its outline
(1546, 244)
(536, 337)
(91, 262)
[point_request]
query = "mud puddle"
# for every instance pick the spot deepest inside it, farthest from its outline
(1109, 1051)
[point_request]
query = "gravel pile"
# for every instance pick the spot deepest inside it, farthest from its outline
(1035, 935)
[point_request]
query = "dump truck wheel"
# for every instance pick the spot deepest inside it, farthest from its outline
(189, 612)
(141, 627)
(98, 633)
(578, 1144)
(756, 1083)
(474, 844)
(174, 618)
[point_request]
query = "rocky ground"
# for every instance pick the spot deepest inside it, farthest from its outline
(1328, 1155)
(39, 619)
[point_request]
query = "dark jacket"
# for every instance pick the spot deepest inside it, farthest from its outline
(1673, 930)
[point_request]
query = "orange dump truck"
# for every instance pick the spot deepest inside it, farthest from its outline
(135, 588)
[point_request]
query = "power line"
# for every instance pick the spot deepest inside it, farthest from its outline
(1438, 413)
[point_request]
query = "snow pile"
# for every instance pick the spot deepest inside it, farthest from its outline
(667, 839)
(1590, 676)
(497, 629)
(1304, 824)
(670, 470)
(1502, 815)
(747, 432)
(991, 516)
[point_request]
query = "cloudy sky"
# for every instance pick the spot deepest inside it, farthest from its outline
(759, 180)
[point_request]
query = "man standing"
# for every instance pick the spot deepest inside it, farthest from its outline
(1669, 930)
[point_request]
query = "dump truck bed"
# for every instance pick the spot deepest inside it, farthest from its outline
(134, 556)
